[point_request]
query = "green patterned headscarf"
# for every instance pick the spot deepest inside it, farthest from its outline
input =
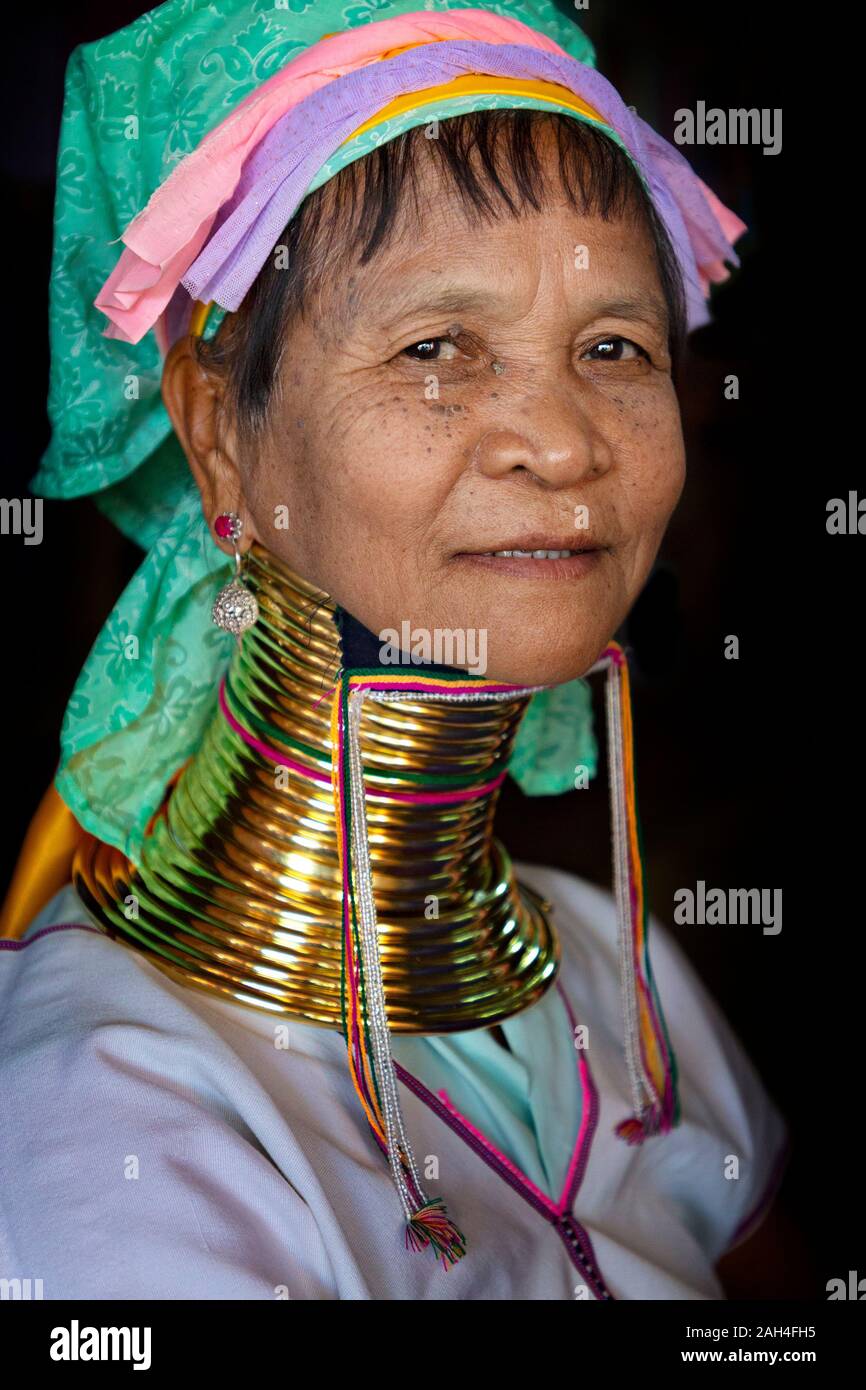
(137, 104)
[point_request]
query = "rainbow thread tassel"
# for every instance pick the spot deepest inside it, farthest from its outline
(649, 1057)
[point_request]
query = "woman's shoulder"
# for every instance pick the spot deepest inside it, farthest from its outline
(128, 1120)
(66, 979)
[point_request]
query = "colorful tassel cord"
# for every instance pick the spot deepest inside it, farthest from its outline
(365, 1025)
(649, 1057)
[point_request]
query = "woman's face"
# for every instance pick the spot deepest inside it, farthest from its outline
(476, 389)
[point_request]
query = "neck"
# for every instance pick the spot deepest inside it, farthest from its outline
(238, 891)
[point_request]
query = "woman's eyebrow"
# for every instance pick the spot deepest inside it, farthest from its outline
(636, 305)
(456, 299)
(439, 298)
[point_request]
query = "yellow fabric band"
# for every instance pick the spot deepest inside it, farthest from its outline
(44, 864)
(198, 318)
(482, 86)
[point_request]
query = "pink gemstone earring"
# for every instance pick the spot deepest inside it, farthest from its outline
(235, 608)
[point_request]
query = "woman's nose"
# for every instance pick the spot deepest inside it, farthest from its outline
(551, 437)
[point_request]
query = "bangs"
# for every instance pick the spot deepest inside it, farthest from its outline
(493, 160)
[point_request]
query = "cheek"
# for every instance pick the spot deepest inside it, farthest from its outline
(386, 451)
(361, 472)
(651, 463)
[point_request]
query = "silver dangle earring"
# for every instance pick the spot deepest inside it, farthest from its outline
(235, 608)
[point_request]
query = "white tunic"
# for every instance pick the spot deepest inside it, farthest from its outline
(157, 1143)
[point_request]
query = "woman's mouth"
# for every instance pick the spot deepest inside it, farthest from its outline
(537, 562)
(533, 554)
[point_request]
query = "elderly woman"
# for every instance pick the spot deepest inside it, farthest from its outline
(388, 390)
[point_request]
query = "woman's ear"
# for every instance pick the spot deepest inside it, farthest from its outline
(194, 399)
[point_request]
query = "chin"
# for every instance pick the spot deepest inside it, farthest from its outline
(541, 633)
(554, 664)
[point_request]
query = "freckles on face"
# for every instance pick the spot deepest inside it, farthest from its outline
(651, 473)
(462, 393)
(355, 473)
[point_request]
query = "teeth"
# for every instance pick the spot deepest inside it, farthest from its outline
(533, 554)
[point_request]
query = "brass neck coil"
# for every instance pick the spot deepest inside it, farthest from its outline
(238, 889)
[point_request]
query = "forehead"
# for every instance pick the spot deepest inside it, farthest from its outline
(443, 253)
(499, 270)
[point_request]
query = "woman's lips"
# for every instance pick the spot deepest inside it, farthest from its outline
(573, 566)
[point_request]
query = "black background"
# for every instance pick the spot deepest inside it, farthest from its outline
(748, 770)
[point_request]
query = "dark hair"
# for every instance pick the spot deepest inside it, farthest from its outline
(349, 218)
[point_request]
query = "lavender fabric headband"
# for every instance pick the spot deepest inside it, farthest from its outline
(277, 175)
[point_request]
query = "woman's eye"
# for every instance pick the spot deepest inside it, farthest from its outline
(430, 350)
(615, 350)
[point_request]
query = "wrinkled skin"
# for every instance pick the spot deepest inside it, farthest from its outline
(554, 393)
